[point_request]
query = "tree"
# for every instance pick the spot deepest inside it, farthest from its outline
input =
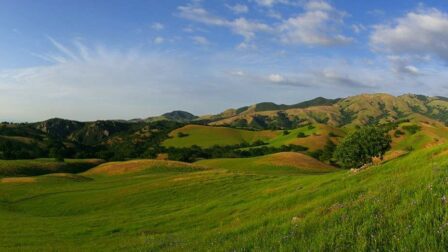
(328, 151)
(361, 146)
(56, 149)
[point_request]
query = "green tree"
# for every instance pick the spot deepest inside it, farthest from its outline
(56, 149)
(328, 151)
(361, 146)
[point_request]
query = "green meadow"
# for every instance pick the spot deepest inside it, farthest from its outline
(208, 136)
(400, 205)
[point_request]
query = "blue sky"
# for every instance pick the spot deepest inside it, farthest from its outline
(90, 60)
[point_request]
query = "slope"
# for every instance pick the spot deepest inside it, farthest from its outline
(400, 205)
(278, 163)
(207, 136)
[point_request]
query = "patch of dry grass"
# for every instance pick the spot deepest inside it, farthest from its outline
(120, 168)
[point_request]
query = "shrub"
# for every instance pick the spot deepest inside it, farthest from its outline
(332, 134)
(181, 134)
(301, 135)
(398, 133)
(412, 129)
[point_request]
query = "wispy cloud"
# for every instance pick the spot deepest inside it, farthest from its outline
(157, 26)
(158, 40)
(199, 40)
(238, 8)
(319, 24)
(240, 26)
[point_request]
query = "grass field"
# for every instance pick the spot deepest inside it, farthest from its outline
(207, 136)
(282, 163)
(399, 205)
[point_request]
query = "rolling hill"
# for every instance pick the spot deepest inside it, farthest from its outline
(278, 163)
(399, 205)
(207, 136)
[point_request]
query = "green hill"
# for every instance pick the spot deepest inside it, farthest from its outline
(278, 163)
(207, 136)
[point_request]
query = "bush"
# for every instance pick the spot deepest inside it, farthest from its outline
(412, 129)
(361, 146)
(398, 133)
(301, 135)
(332, 134)
(181, 134)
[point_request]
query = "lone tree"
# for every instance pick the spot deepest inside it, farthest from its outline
(361, 146)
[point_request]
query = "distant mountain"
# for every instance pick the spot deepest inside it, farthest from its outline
(179, 116)
(175, 116)
(57, 127)
(356, 110)
(269, 106)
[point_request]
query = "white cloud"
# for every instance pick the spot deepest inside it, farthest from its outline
(403, 65)
(240, 26)
(199, 40)
(201, 15)
(419, 33)
(318, 25)
(265, 2)
(276, 78)
(358, 28)
(158, 40)
(270, 3)
(247, 28)
(157, 26)
(238, 8)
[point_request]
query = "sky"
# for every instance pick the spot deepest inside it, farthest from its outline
(114, 59)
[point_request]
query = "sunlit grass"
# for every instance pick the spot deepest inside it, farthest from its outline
(400, 205)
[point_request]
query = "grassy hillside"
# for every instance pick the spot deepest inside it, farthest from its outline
(135, 166)
(278, 163)
(9, 168)
(316, 136)
(207, 136)
(399, 205)
(350, 111)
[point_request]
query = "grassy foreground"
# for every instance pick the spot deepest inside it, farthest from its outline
(400, 205)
